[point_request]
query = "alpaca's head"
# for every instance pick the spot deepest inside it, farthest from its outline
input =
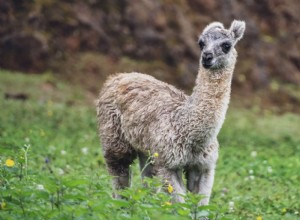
(217, 44)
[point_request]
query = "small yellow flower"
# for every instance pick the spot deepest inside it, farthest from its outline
(2, 205)
(170, 188)
(284, 210)
(50, 113)
(42, 133)
(155, 155)
(168, 204)
(259, 218)
(50, 103)
(9, 163)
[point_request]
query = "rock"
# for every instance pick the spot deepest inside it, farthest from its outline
(24, 52)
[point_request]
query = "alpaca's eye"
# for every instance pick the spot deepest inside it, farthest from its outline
(201, 44)
(226, 47)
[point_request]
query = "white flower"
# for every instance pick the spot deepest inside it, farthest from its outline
(269, 169)
(253, 154)
(225, 190)
(231, 205)
(63, 152)
(251, 177)
(40, 187)
(250, 171)
(84, 150)
(60, 171)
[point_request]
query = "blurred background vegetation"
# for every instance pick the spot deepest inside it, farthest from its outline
(83, 41)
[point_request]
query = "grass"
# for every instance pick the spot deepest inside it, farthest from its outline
(59, 171)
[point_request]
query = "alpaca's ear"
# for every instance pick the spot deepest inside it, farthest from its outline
(237, 29)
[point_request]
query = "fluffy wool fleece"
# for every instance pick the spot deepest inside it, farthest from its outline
(139, 115)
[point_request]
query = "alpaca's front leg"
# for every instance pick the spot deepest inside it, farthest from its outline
(206, 184)
(201, 182)
(200, 178)
(174, 182)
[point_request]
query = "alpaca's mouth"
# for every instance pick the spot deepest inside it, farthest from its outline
(213, 65)
(207, 65)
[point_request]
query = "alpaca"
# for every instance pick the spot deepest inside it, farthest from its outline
(138, 114)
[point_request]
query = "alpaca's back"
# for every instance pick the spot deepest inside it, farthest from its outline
(136, 105)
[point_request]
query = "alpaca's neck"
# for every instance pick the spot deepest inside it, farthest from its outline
(212, 87)
(208, 103)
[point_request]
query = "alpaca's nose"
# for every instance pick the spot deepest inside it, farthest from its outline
(207, 57)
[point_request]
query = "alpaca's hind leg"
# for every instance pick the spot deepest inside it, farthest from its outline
(119, 168)
(118, 152)
(147, 169)
(119, 155)
(201, 182)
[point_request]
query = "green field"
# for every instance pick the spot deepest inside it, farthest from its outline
(59, 171)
